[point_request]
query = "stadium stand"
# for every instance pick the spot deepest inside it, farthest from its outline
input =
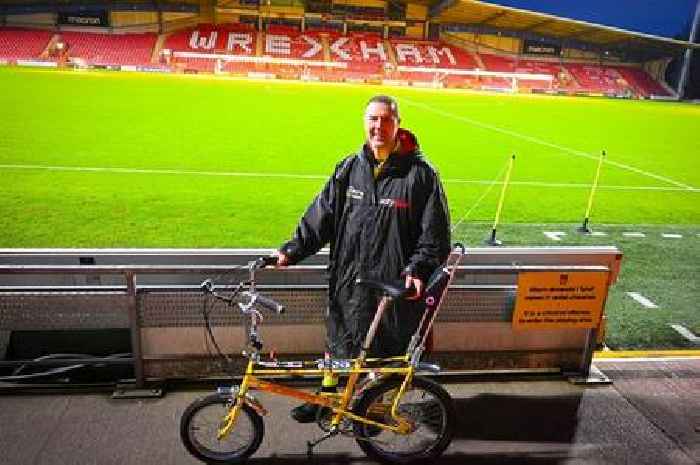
(430, 54)
(366, 55)
(366, 51)
(497, 63)
(23, 44)
(359, 55)
(230, 39)
(596, 79)
(235, 38)
(110, 49)
(644, 83)
(539, 67)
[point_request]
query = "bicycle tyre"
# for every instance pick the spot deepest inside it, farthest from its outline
(425, 403)
(199, 425)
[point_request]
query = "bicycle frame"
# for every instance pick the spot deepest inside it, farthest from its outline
(353, 369)
(339, 402)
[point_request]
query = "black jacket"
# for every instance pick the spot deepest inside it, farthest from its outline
(383, 228)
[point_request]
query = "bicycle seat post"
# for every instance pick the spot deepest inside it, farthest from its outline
(383, 305)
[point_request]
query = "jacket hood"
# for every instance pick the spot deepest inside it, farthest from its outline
(408, 143)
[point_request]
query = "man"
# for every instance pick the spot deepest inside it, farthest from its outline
(384, 213)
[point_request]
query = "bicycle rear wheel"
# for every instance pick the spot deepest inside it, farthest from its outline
(200, 423)
(425, 404)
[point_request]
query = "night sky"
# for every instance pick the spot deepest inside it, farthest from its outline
(659, 17)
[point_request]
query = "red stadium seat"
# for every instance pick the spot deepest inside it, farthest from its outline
(642, 82)
(23, 44)
(111, 49)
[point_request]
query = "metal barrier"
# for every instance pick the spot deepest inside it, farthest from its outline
(155, 293)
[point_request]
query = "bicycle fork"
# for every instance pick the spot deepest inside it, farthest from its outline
(241, 396)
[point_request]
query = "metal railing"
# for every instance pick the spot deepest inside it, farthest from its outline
(163, 298)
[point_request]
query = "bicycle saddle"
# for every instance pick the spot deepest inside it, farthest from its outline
(395, 289)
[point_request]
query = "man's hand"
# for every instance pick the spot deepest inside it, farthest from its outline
(417, 283)
(282, 259)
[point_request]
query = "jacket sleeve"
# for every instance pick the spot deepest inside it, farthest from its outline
(315, 229)
(433, 244)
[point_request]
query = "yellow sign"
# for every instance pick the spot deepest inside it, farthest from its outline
(557, 300)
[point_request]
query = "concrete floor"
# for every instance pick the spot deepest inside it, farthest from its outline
(650, 415)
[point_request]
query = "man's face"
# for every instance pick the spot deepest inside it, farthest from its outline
(381, 126)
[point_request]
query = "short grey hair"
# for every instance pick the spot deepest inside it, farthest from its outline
(388, 101)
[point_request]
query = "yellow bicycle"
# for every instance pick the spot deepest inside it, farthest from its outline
(394, 415)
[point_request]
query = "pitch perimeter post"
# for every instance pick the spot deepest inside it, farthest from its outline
(584, 228)
(492, 240)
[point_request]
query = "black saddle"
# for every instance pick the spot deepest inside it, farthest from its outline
(394, 289)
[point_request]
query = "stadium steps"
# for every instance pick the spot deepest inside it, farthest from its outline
(259, 43)
(326, 47)
(160, 42)
(390, 53)
(47, 50)
(477, 59)
(570, 79)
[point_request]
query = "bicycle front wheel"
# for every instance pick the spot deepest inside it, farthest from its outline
(425, 405)
(200, 424)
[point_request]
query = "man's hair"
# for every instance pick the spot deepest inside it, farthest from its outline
(388, 101)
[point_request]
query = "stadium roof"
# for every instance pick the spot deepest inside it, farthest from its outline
(481, 13)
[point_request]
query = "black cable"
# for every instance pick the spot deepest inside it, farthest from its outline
(227, 363)
(59, 370)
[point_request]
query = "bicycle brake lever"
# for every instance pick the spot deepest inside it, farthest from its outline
(207, 286)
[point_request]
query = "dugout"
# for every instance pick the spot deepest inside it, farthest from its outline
(154, 295)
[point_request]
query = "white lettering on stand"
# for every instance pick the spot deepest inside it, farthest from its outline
(335, 48)
(206, 43)
(278, 44)
(367, 50)
(404, 51)
(244, 41)
(444, 51)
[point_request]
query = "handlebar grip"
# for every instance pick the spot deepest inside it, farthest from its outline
(263, 262)
(270, 304)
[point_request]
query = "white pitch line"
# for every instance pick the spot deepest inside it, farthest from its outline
(686, 333)
(98, 169)
(634, 234)
(646, 303)
(599, 233)
(535, 140)
(153, 171)
(575, 185)
(554, 235)
(672, 236)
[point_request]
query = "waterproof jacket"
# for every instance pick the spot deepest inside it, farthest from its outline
(377, 228)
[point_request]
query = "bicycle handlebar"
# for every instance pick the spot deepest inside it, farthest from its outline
(270, 304)
(207, 287)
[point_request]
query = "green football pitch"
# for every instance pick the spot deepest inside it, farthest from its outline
(100, 159)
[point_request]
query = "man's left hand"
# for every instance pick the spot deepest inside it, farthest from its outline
(417, 283)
